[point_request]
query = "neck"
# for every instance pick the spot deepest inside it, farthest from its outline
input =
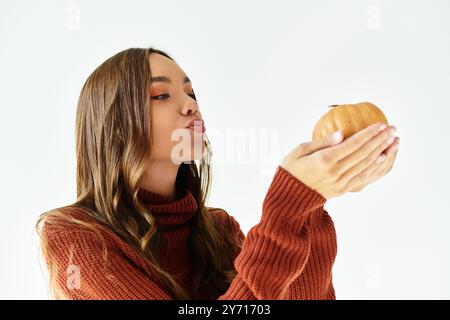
(160, 177)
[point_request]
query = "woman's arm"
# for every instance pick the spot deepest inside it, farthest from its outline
(275, 250)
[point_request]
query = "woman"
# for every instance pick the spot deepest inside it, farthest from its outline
(140, 228)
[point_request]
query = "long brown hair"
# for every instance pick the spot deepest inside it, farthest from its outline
(113, 147)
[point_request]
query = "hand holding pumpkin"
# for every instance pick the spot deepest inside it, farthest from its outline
(332, 167)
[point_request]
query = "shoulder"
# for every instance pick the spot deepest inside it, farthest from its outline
(227, 220)
(219, 214)
(67, 224)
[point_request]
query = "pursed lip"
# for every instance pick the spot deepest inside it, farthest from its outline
(197, 124)
(191, 123)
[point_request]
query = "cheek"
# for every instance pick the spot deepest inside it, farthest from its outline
(163, 127)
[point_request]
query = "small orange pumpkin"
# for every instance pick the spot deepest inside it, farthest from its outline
(349, 118)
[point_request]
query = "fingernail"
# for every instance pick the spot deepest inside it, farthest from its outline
(392, 131)
(396, 147)
(381, 158)
(337, 136)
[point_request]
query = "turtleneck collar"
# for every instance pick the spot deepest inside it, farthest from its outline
(169, 213)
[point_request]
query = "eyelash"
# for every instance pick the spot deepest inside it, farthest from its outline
(192, 95)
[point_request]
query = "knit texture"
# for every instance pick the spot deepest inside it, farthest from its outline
(287, 255)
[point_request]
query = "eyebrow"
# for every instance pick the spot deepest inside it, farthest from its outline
(167, 79)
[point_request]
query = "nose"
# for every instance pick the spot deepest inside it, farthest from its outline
(191, 108)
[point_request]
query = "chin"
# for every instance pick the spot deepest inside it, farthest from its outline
(198, 154)
(189, 157)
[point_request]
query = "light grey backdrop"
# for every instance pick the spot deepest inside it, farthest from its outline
(255, 65)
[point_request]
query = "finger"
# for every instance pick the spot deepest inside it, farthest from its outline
(363, 178)
(393, 148)
(368, 175)
(376, 170)
(372, 158)
(391, 154)
(357, 140)
(364, 156)
(307, 148)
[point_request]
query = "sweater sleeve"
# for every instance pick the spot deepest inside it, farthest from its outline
(276, 249)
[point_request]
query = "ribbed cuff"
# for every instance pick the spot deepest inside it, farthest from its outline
(290, 199)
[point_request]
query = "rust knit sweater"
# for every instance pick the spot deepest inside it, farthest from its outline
(288, 254)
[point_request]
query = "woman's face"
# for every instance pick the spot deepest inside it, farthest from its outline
(174, 107)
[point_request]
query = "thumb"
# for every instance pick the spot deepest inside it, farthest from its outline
(310, 147)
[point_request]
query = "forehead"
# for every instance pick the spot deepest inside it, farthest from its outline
(163, 66)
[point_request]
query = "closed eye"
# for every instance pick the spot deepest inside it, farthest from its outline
(165, 96)
(160, 97)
